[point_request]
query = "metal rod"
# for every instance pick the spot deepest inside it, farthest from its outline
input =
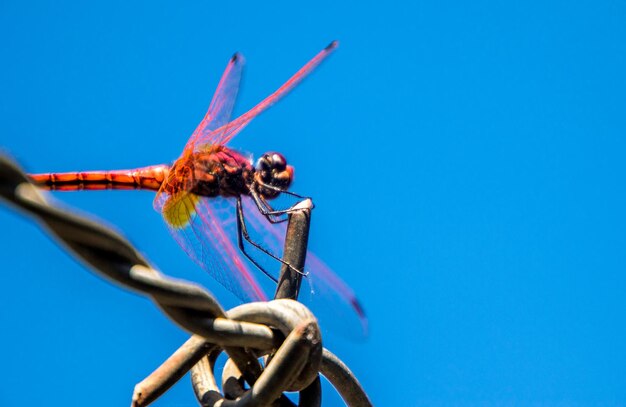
(175, 367)
(343, 380)
(294, 253)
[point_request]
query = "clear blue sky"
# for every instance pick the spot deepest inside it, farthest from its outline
(467, 162)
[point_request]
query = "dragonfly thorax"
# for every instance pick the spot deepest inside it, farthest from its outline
(220, 171)
(272, 175)
(216, 171)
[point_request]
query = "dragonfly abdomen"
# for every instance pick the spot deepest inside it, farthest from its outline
(149, 178)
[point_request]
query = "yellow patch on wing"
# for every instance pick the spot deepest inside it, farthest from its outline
(179, 209)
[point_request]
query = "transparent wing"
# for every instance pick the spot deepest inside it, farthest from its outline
(221, 106)
(205, 228)
(331, 300)
(225, 133)
(219, 113)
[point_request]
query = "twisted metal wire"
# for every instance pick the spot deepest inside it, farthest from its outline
(282, 330)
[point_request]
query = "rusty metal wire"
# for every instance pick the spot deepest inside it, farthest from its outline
(282, 331)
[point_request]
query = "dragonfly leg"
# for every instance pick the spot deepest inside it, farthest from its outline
(282, 191)
(266, 209)
(273, 216)
(242, 233)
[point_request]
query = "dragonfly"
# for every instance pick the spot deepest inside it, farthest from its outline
(212, 192)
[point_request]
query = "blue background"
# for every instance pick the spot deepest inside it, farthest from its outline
(467, 162)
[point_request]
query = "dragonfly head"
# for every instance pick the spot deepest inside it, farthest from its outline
(272, 175)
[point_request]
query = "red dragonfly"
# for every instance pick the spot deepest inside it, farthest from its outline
(204, 195)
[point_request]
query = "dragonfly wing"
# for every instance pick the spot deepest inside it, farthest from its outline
(221, 106)
(204, 228)
(225, 133)
(219, 113)
(330, 299)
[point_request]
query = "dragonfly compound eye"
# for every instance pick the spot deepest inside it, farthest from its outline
(272, 171)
